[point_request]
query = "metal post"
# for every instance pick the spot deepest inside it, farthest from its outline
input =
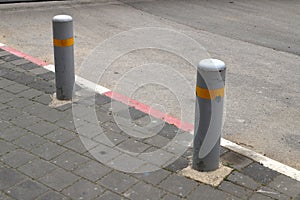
(63, 42)
(209, 113)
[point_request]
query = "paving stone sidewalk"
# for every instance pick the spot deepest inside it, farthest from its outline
(42, 156)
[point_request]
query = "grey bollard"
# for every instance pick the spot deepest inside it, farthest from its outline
(63, 43)
(209, 113)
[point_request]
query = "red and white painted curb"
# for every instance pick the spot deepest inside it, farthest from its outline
(265, 161)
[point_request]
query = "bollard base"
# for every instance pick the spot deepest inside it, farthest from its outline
(213, 178)
(57, 102)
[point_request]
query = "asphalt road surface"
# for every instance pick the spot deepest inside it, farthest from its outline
(257, 39)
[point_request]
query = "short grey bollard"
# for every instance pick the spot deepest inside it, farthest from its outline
(209, 113)
(63, 42)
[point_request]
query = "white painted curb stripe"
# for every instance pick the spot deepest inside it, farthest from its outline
(2, 45)
(265, 161)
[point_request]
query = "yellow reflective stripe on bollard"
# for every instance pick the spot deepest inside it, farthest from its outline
(209, 94)
(63, 43)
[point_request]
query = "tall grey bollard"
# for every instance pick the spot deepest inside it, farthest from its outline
(209, 113)
(63, 43)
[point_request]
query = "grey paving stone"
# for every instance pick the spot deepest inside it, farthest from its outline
(117, 181)
(29, 66)
(108, 195)
(38, 71)
(10, 113)
(48, 150)
(25, 120)
(30, 93)
(66, 122)
(2, 195)
(115, 138)
(157, 141)
(36, 108)
(144, 191)
(172, 197)
(208, 192)
(29, 141)
(9, 177)
(17, 158)
(3, 106)
(4, 53)
(20, 61)
(235, 160)
(3, 125)
(154, 178)
(134, 146)
(59, 179)
(51, 115)
(127, 162)
(4, 83)
(223, 151)
(70, 160)
(92, 170)
(102, 99)
(168, 131)
(103, 116)
(43, 99)
(47, 76)
(16, 88)
(111, 126)
(12, 133)
(286, 185)
(83, 190)
(105, 153)
(28, 190)
(243, 180)
(61, 136)
(6, 147)
(37, 168)
(178, 165)
(76, 145)
(6, 97)
(46, 87)
(52, 196)
(266, 191)
(9, 57)
(178, 185)
(257, 196)
(235, 190)
(260, 173)
(130, 113)
(42, 128)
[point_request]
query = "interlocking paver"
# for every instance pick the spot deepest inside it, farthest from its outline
(13, 133)
(178, 185)
(92, 170)
(108, 195)
(61, 136)
(235, 160)
(266, 191)
(243, 180)
(9, 177)
(133, 146)
(43, 99)
(29, 141)
(52, 196)
(20, 102)
(59, 179)
(70, 160)
(286, 185)
(19, 61)
(260, 173)
(37, 168)
(49, 150)
(144, 191)
(20, 191)
(83, 190)
(16, 88)
(76, 145)
(6, 147)
(235, 190)
(117, 181)
(154, 178)
(208, 192)
(42, 128)
(17, 158)
(257, 196)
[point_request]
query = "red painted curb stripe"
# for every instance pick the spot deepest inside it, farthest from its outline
(147, 109)
(118, 97)
(24, 55)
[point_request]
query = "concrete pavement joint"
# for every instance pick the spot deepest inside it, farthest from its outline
(265, 161)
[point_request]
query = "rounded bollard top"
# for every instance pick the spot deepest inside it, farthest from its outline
(62, 18)
(211, 65)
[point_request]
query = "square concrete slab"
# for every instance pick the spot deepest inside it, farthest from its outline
(213, 178)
